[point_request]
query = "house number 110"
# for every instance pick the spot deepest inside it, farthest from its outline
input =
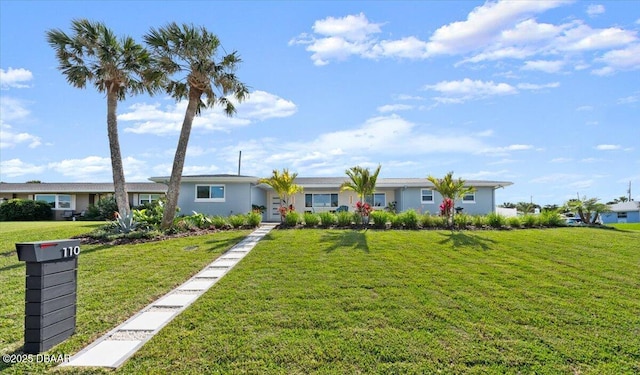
(70, 251)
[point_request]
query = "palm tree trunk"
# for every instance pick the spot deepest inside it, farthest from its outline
(120, 190)
(173, 190)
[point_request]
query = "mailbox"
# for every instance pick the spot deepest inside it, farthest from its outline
(50, 297)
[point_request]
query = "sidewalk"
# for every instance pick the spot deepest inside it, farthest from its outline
(116, 346)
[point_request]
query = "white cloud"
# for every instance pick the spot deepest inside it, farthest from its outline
(352, 27)
(534, 86)
(595, 9)
(467, 89)
(561, 160)
(156, 119)
(628, 99)
(12, 109)
(408, 47)
(620, 59)
(499, 151)
(10, 139)
(584, 108)
(581, 37)
(544, 66)
(14, 78)
(98, 168)
(17, 168)
(606, 147)
(394, 108)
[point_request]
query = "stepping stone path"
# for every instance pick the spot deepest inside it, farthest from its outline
(115, 347)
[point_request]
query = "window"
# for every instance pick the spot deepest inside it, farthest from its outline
(469, 198)
(210, 193)
(427, 195)
(376, 200)
(622, 215)
(57, 201)
(321, 200)
(148, 198)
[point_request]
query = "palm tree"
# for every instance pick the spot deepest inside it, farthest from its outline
(284, 185)
(450, 189)
(588, 209)
(363, 183)
(193, 51)
(117, 67)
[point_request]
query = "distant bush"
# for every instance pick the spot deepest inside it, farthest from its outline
(551, 219)
(310, 219)
(514, 222)
(409, 219)
(237, 221)
(479, 221)
(496, 220)
(292, 219)
(345, 218)
(254, 219)
(396, 221)
(219, 222)
(327, 219)
(380, 218)
(462, 220)
(25, 210)
(104, 209)
(529, 221)
(427, 220)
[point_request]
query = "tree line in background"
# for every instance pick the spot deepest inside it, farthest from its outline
(179, 60)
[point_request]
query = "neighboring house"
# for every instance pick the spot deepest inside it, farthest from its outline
(624, 212)
(231, 194)
(76, 197)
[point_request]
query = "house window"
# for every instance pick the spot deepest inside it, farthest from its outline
(148, 198)
(469, 198)
(210, 193)
(56, 201)
(376, 200)
(321, 200)
(622, 215)
(427, 195)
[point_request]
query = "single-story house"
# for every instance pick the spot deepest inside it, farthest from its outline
(624, 212)
(74, 197)
(232, 194)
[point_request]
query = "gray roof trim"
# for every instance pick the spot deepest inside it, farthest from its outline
(210, 178)
(80, 187)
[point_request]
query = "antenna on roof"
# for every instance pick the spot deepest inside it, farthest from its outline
(239, 162)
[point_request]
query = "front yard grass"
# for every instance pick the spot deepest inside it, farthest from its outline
(552, 301)
(114, 282)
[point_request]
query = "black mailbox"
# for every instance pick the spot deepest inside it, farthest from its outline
(50, 297)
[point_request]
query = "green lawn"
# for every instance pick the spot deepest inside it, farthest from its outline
(626, 226)
(114, 282)
(553, 301)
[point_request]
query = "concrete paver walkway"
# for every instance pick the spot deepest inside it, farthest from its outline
(117, 345)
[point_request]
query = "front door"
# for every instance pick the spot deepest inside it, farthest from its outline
(274, 205)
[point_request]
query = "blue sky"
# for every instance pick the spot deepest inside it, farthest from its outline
(545, 94)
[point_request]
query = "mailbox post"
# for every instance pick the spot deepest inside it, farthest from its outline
(50, 297)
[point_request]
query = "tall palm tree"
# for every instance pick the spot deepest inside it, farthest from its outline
(190, 55)
(450, 189)
(117, 67)
(283, 184)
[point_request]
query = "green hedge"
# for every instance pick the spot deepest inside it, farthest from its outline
(25, 210)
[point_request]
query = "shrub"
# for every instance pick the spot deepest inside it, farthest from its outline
(25, 210)
(496, 220)
(396, 221)
(149, 214)
(199, 220)
(529, 221)
(292, 219)
(237, 221)
(344, 219)
(479, 221)
(254, 219)
(551, 219)
(311, 219)
(461, 221)
(380, 219)
(514, 222)
(409, 219)
(104, 209)
(327, 219)
(219, 222)
(427, 221)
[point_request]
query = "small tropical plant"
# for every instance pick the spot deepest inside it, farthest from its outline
(551, 219)
(462, 220)
(344, 219)
(237, 221)
(125, 223)
(450, 189)
(514, 222)
(479, 221)
(327, 219)
(427, 220)
(292, 219)
(396, 221)
(219, 222)
(310, 219)
(529, 221)
(380, 219)
(363, 183)
(409, 219)
(254, 219)
(283, 184)
(588, 209)
(495, 220)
